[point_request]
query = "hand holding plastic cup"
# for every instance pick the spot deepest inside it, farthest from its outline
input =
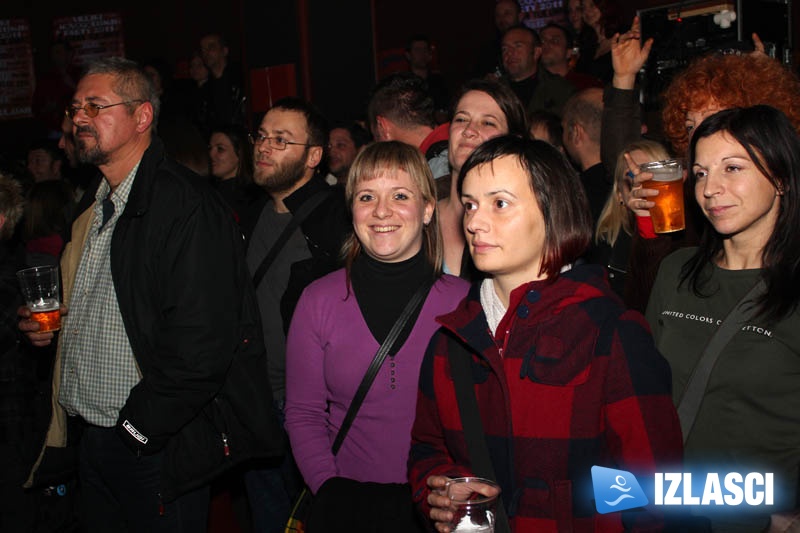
(668, 213)
(473, 510)
(41, 287)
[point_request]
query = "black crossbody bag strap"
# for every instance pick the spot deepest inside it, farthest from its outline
(410, 311)
(692, 398)
(471, 421)
(297, 218)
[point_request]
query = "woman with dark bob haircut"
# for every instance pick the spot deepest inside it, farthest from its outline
(565, 377)
(745, 172)
(507, 101)
(482, 109)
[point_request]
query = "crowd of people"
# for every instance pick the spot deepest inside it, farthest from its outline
(255, 310)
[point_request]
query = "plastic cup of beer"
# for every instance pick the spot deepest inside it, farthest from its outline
(41, 289)
(668, 213)
(472, 511)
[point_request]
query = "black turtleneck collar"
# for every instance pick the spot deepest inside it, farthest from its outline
(382, 291)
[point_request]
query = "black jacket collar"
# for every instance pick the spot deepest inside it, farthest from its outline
(298, 197)
(139, 197)
(142, 189)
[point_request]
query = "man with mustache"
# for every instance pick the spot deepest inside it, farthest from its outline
(288, 148)
(160, 362)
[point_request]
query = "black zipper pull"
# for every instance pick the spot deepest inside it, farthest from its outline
(226, 450)
(160, 505)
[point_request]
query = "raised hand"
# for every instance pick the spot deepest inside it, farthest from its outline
(628, 56)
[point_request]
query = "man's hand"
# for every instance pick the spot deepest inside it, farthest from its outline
(31, 328)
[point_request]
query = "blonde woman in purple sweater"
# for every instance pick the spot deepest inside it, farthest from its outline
(339, 324)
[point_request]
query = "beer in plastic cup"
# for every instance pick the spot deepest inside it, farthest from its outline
(41, 288)
(668, 213)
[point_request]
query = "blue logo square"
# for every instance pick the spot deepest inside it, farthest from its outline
(616, 490)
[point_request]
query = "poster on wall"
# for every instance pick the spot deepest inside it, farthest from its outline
(16, 69)
(91, 36)
(539, 13)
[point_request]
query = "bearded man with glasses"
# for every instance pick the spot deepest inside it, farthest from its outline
(160, 364)
(287, 152)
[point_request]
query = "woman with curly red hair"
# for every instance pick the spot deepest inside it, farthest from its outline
(716, 82)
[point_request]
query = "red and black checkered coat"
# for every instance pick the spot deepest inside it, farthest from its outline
(580, 383)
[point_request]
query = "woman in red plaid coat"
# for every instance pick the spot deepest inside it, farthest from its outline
(565, 377)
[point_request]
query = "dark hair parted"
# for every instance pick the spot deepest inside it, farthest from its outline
(316, 125)
(507, 101)
(773, 145)
(404, 99)
(558, 191)
(237, 135)
(391, 156)
(132, 83)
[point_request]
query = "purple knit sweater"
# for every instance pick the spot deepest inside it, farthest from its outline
(328, 350)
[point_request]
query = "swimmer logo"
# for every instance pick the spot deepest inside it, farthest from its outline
(616, 490)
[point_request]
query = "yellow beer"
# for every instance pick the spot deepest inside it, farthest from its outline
(40, 286)
(668, 213)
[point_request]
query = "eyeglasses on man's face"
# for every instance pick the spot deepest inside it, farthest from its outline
(277, 142)
(92, 109)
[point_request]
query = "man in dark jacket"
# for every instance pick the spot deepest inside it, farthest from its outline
(160, 359)
(223, 92)
(288, 148)
(537, 88)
